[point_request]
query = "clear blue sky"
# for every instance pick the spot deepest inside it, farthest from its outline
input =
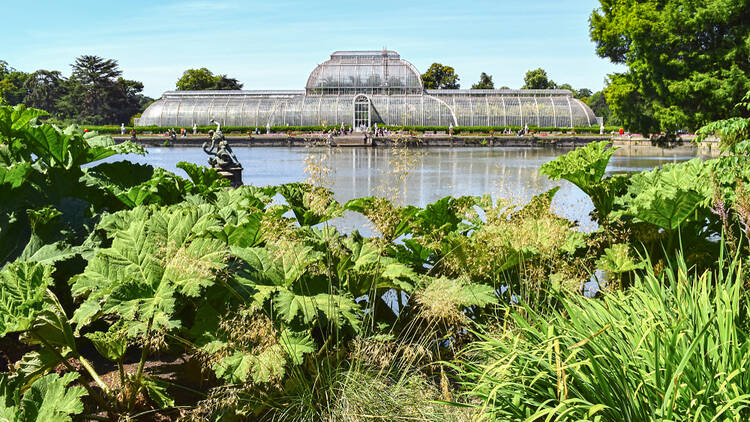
(275, 45)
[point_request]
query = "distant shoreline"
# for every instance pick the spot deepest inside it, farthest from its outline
(358, 140)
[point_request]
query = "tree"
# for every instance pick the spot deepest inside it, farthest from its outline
(537, 79)
(599, 106)
(12, 91)
(97, 93)
(688, 61)
(566, 86)
(44, 89)
(203, 79)
(582, 93)
(223, 82)
(440, 77)
(485, 82)
(92, 90)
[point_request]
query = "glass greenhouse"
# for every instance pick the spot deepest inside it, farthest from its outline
(360, 88)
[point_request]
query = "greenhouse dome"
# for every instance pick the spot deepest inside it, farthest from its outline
(361, 88)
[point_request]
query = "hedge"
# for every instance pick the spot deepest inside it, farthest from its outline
(458, 130)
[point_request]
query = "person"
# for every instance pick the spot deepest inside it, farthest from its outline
(122, 128)
(450, 129)
(183, 132)
(622, 131)
(195, 129)
(132, 135)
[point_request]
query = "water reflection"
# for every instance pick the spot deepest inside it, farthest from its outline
(431, 173)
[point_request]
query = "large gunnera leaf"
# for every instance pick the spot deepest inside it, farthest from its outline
(585, 168)
(49, 399)
(148, 268)
(22, 296)
(667, 197)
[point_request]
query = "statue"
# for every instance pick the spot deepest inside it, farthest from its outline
(224, 161)
(223, 158)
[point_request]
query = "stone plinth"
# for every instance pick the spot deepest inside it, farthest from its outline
(233, 174)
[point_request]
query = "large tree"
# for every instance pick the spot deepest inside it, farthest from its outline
(537, 79)
(44, 89)
(97, 93)
(203, 79)
(440, 77)
(688, 60)
(485, 82)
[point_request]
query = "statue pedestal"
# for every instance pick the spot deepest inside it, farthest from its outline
(233, 174)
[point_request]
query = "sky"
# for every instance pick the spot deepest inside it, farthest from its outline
(275, 45)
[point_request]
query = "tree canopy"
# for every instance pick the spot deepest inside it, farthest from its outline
(203, 79)
(485, 82)
(537, 79)
(440, 77)
(688, 61)
(95, 93)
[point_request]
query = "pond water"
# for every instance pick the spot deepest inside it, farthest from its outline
(419, 176)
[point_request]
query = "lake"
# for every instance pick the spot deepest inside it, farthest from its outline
(418, 176)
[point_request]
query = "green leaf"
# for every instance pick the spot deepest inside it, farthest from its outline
(617, 260)
(149, 270)
(296, 345)
(668, 196)
(583, 167)
(14, 176)
(23, 293)
(311, 205)
(111, 344)
(204, 179)
(49, 399)
(157, 391)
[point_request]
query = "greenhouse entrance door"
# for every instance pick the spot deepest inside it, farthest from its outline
(361, 113)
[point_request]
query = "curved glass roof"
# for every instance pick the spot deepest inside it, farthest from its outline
(393, 94)
(368, 72)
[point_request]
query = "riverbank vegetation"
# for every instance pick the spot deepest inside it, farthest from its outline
(131, 293)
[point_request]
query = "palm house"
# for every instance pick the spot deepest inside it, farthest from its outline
(361, 88)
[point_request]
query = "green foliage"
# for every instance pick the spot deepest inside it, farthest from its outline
(485, 82)
(585, 168)
(667, 197)
(687, 62)
(311, 205)
(23, 296)
(50, 399)
(674, 345)
(440, 77)
(111, 344)
(617, 260)
(204, 79)
(94, 94)
(537, 79)
(270, 309)
(151, 268)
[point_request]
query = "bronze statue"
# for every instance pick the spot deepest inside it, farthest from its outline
(223, 158)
